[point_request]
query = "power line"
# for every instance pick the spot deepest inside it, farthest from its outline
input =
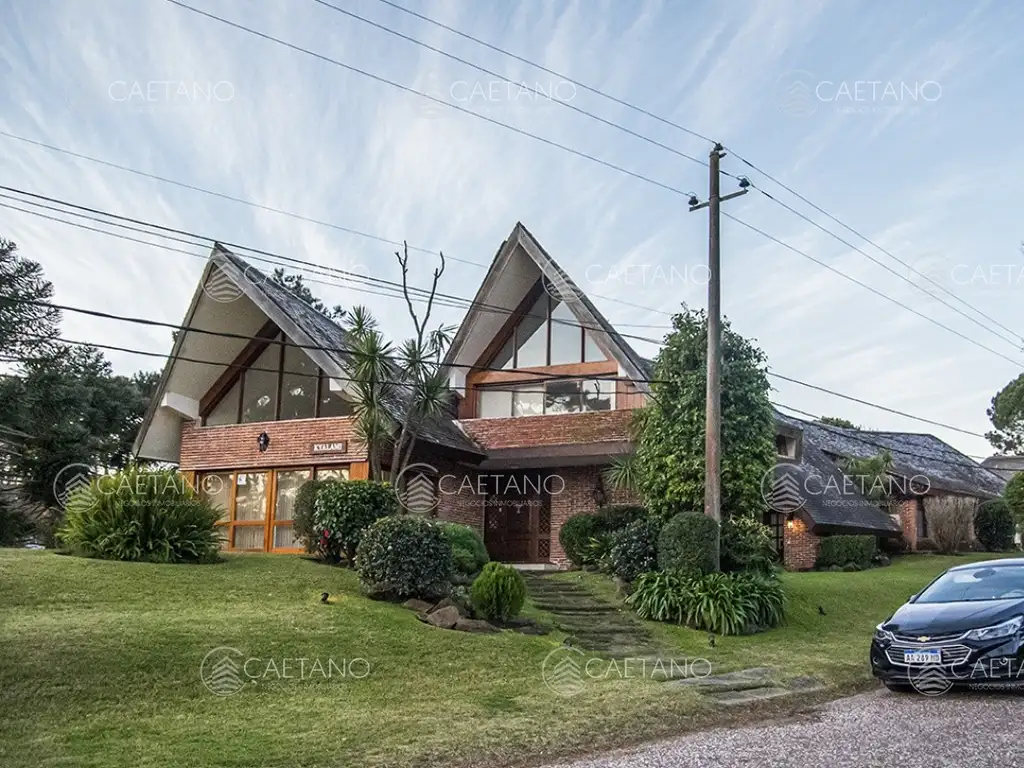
(542, 68)
(290, 214)
(479, 68)
(691, 132)
(408, 89)
(887, 267)
(897, 302)
(866, 239)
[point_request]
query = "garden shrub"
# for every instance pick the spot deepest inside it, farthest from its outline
(498, 592)
(615, 517)
(152, 516)
(994, 525)
(304, 516)
(747, 545)
(949, 521)
(635, 549)
(469, 554)
(689, 543)
(575, 537)
(723, 603)
(1014, 495)
(343, 510)
(840, 550)
(403, 556)
(16, 525)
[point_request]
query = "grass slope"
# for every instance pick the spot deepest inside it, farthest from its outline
(101, 667)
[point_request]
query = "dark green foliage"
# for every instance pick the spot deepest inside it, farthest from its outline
(469, 554)
(1014, 495)
(723, 603)
(498, 592)
(1007, 416)
(840, 550)
(689, 543)
(635, 549)
(304, 517)
(138, 515)
(837, 421)
(404, 556)
(669, 431)
(16, 522)
(24, 327)
(343, 510)
(575, 536)
(994, 525)
(747, 545)
(615, 517)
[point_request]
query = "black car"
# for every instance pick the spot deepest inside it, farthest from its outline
(966, 627)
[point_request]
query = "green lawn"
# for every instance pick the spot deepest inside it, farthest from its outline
(101, 667)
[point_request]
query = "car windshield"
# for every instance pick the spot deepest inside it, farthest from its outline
(981, 583)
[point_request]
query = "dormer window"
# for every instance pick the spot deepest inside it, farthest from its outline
(545, 398)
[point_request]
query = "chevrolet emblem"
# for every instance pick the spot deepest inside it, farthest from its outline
(923, 639)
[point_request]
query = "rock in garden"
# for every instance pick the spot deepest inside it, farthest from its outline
(449, 603)
(445, 618)
(475, 625)
(851, 567)
(420, 606)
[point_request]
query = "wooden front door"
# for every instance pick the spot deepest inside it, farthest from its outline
(518, 519)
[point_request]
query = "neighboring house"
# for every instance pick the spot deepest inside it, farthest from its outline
(1004, 466)
(250, 420)
(924, 469)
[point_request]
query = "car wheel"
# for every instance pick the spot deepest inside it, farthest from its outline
(898, 687)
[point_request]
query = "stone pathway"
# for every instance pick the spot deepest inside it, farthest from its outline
(599, 626)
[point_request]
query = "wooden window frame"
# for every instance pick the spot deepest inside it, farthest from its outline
(269, 504)
(269, 334)
(481, 388)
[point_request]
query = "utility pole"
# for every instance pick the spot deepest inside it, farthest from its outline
(713, 424)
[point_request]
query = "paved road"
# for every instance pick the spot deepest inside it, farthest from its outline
(965, 730)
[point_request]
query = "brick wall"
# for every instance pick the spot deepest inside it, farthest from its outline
(560, 429)
(800, 546)
(234, 446)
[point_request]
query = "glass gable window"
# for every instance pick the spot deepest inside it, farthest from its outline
(282, 383)
(298, 385)
(259, 386)
(547, 334)
(573, 396)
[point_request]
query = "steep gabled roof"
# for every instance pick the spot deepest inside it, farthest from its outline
(326, 343)
(913, 454)
(493, 297)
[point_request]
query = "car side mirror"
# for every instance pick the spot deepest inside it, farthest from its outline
(912, 598)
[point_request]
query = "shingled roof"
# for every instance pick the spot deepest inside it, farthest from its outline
(913, 454)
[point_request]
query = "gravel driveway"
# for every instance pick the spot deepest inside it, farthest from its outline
(874, 729)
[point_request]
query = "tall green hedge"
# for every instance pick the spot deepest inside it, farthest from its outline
(841, 550)
(995, 526)
(689, 543)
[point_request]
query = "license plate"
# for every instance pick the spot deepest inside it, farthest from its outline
(923, 656)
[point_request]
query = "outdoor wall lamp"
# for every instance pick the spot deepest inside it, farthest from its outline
(263, 442)
(789, 521)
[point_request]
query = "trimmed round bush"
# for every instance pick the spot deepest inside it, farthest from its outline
(403, 556)
(747, 545)
(635, 549)
(343, 510)
(688, 543)
(498, 592)
(994, 525)
(575, 537)
(469, 554)
(148, 516)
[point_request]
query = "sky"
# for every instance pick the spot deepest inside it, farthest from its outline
(901, 120)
